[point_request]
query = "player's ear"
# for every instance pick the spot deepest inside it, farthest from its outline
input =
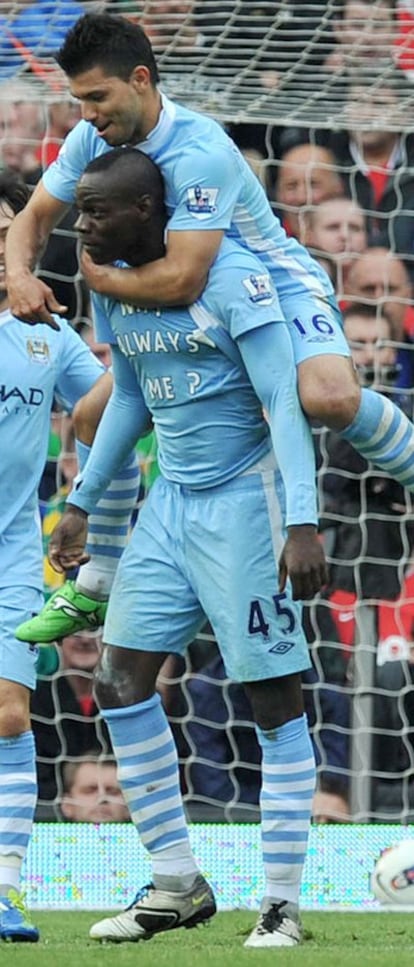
(140, 78)
(144, 207)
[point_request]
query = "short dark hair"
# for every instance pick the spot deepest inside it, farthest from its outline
(368, 310)
(13, 190)
(108, 41)
(136, 166)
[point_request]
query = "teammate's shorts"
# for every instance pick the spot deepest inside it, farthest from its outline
(211, 553)
(315, 326)
(18, 658)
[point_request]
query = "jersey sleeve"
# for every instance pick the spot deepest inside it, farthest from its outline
(267, 354)
(101, 324)
(207, 183)
(78, 368)
(125, 419)
(61, 177)
(240, 293)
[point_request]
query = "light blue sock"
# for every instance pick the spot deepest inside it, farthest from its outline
(288, 786)
(382, 433)
(108, 527)
(18, 794)
(149, 778)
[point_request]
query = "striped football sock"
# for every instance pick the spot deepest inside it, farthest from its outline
(18, 794)
(288, 785)
(108, 527)
(382, 434)
(148, 774)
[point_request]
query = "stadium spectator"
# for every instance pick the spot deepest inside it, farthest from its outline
(331, 802)
(62, 115)
(336, 229)
(91, 792)
(365, 32)
(306, 175)
(372, 35)
(375, 156)
(381, 279)
(25, 147)
(365, 511)
(22, 127)
(65, 718)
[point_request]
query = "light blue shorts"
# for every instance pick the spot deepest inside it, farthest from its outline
(210, 553)
(315, 326)
(18, 658)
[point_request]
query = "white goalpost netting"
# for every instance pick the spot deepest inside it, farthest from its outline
(267, 61)
(279, 74)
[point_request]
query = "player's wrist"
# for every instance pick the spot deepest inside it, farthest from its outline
(78, 511)
(300, 530)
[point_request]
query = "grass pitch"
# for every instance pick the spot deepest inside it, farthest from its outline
(332, 940)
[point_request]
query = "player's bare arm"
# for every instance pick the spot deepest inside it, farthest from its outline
(177, 279)
(31, 299)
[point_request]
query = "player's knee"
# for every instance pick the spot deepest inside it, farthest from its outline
(329, 393)
(14, 718)
(114, 686)
(125, 676)
(111, 688)
(275, 701)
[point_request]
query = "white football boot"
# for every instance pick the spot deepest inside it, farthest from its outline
(153, 911)
(278, 925)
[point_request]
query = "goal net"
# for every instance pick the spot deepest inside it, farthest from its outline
(280, 75)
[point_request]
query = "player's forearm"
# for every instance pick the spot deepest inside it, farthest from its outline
(267, 354)
(25, 242)
(158, 283)
(123, 422)
(293, 445)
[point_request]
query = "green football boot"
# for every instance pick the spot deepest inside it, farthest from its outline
(66, 612)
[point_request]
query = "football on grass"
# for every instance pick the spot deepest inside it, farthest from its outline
(392, 879)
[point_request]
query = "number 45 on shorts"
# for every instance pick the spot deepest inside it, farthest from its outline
(259, 626)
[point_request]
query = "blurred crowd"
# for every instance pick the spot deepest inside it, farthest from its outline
(347, 194)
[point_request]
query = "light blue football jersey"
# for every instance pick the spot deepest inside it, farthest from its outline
(184, 356)
(209, 185)
(37, 364)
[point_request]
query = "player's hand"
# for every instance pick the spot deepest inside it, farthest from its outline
(67, 543)
(96, 276)
(32, 301)
(303, 561)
